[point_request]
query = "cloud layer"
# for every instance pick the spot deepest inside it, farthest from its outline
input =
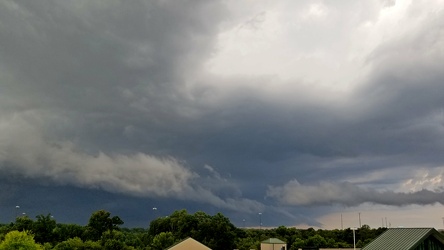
(226, 102)
(348, 194)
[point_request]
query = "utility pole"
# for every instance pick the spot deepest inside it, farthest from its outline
(359, 214)
(16, 211)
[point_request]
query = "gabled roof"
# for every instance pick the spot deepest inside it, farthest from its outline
(403, 238)
(189, 243)
(273, 241)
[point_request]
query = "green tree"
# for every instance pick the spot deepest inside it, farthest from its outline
(43, 229)
(282, 232)
(182, 223)
(20, 241)
(217, 233)
(47, 246)
(246, 243)
(163, 240)
(159, 225)
(4, 229)
(70, 244)
(114, 240)
(316, 241)
(100, 222)
(64, 232)
(309, 232)
(23, 223)
(331, 243)
(91, 245)
(135, 237)
(297, 243)
(77, 244)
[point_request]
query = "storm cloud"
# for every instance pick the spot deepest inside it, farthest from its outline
(225, 105)
(327, 193)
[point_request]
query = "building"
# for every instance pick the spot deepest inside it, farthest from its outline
(408, 239)
(187, 244)
(273, 244)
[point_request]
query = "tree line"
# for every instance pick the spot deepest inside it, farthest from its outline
(104, 231)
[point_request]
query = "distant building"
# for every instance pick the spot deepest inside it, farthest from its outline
(189, 243)
(273, 244)
(408, 239)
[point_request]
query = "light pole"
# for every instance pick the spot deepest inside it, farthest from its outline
(260, 220)
(354, 239)
(243, 222)
(155, 212)
(16, 211)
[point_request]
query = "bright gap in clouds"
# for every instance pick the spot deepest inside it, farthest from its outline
(324, 44)
(310, 42)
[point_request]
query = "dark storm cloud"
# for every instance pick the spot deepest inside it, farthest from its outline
(115, 96)
(71, 51)
(86, 77)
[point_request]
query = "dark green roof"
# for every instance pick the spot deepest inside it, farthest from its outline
(403, 238)
(273, 241)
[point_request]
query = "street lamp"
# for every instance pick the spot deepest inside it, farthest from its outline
(260, 220)
(16, 211)
(354, 239)
(155, 212)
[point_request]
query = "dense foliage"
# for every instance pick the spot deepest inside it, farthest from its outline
(216, 232)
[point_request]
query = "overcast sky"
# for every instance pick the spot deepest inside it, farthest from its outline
(299, 110)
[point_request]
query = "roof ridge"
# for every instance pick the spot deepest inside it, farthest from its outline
(273, 241)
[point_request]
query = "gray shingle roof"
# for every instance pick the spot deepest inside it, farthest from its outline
(402, 238)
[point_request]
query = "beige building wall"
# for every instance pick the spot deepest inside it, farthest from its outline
(189, 244)
(268, 246)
